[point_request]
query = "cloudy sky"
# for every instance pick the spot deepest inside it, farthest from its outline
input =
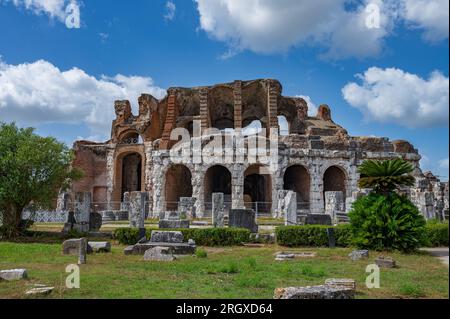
(382, 74)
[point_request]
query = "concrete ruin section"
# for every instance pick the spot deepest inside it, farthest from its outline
(316, 158)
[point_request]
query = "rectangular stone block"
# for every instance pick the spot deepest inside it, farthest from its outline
(243, 218)
(166, 237)
(13, 274)
(173, 224)
(290, 207)
(218, 210)
(314, 292)
(137, 203)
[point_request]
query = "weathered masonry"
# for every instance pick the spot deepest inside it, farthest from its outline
(317, 159)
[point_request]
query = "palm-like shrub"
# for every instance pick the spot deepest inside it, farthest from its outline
(385, 176)
(384, 219)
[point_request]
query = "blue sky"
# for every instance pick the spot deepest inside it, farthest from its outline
(63, 81)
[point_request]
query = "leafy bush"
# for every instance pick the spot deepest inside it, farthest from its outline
(202, 237)
(201, 253)
(435, 235)
(312, 235)
(386, 221)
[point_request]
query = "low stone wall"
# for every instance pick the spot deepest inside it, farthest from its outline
(46, 216)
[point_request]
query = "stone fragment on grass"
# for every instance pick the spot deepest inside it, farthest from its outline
(72, 247)
(359, 254)
(341, 282)
(315, 292)
(39, 291)
(159, 254)
(128, 250)
(13, 274)
(100, 246)
(385, 262)
(281, 256)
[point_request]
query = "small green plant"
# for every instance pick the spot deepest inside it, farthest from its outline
(230, 268)
(201, 253)
(411, 290)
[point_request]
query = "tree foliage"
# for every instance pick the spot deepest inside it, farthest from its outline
(385, 176)
(386, 222)
(32, 170)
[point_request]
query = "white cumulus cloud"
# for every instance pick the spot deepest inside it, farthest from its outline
(52, 8)
(274, 26)
(432, 16)
(392, 95)
(39, 92)
(170, 11)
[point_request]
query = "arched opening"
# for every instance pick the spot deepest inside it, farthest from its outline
(178, 184)
(217, 180)
(131, 138)
(297, 179)
(131, 173)
(221, 108)
(283, 125)
(251, 127)
(334, 180)
(258, 189)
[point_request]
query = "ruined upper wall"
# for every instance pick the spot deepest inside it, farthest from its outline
(235, 105)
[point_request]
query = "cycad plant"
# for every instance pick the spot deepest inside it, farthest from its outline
(385, 176)
(385, 219)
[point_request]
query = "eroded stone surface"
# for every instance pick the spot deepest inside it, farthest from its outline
(359, 254)
(385, 262)
(341, 282)
(243, 218)
(100, 246)
(159, 253)
(13, 274)
(166, 237)
(314, 292)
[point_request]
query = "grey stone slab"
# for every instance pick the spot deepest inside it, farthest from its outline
(318, 219)
(243, 218)
(385, 262)
(159, 253)
(166, 237)
(13, 274)
(315, 292)
(173, 224)
(100, 246)
(341, 282)
(359, 254)
(218, 210)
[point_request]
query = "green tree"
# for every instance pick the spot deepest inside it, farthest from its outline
(385, 219)
(385, 176)
(32, 170)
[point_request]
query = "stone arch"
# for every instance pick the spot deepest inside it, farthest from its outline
(129, 172)
(178, 183)
(254, 104)
(258, 188)
(335, 180)
(130, 137)
(297, 178)
(283, 125)
(217, 179)
(221, 107)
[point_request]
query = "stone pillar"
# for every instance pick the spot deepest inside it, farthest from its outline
(137, 210)
(204, 112)
(82, 211)
(272, 107)
(217, 210)
(237, 187)
(237, 92)
(148, 150)
(290, 215)
(110, 176)
(82, 251)
(198, 191)
(316, 190)
(334, 202)
(186, 207)
(159, 181)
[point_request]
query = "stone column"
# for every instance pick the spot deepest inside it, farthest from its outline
(217, 210)
(198, 191)
(290, 215)
(237, 187)
(159, 180)
(148, 150)
(237, 92)
(82, 251)
(137, 210)
(316, 190)
(110, 176)
(334, 202)
(82, 210)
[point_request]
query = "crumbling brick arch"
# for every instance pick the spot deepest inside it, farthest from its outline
(221, 107)
(129, 171)
(178, 183)
(254, 103)
(297, 178)
(335, 180)
(130, 137)
(258, 188)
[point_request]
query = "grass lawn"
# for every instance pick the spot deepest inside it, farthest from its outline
(235, 272)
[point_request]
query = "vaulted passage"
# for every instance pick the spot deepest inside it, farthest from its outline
(297, 179)
(258, 189)
(178, 184)
(334, 180)
(131, 173)
(217, 180)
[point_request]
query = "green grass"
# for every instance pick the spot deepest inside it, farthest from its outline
(234, 272)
